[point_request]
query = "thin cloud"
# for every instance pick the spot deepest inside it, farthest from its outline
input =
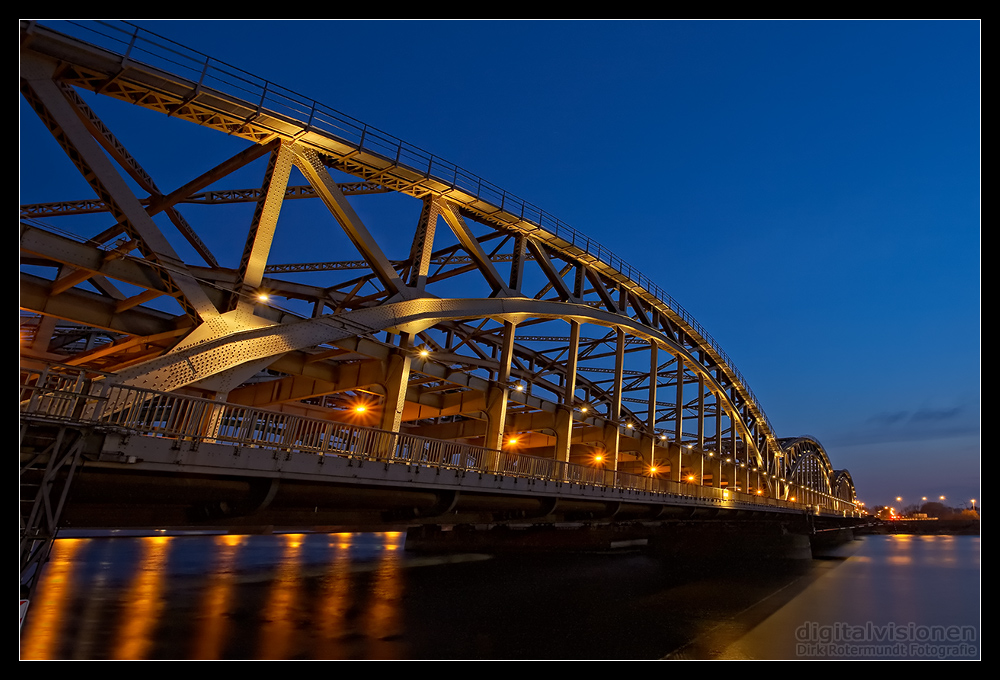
(936, 414)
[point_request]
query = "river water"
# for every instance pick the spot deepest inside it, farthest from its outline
(361, 596)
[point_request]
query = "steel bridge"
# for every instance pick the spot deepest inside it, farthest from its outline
(486, 363)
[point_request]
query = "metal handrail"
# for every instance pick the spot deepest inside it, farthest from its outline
(88, 398)
(133, 42)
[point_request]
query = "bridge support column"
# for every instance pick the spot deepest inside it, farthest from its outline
(718, 423)
(611, 431)
(649, 441)
(517, 263)
(496, 395)
(564, 413)
(647, 449)
(261, 232)
(611, 446)
(701, 412)
(423, 244)
(679, 415)
(213, 419)
(43, 334)
(396, 379)
(672, 452)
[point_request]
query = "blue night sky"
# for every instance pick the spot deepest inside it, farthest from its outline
(809, 191)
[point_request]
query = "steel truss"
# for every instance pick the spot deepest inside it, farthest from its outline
(493, 325)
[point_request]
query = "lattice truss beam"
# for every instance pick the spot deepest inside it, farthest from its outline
(443, 321)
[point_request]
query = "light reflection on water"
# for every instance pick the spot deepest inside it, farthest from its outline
(360, 596)
(129, 598)
(49, 610)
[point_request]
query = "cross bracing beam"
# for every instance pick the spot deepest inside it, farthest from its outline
(214, 197)
(492, 228)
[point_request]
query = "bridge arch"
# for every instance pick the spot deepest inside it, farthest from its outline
(672, 391)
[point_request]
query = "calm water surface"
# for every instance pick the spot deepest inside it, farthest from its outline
(361, 596)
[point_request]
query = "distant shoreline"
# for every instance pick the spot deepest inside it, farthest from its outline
(956, 527)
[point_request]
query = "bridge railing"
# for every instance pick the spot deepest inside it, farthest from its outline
(135, 43)
(90, 399)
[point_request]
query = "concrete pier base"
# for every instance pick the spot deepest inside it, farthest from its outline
(698, 543)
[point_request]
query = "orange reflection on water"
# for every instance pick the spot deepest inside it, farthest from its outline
(334, 603)
(384, 622)
(52, 594)
(213, 622)
(279, 612)
(143, 602)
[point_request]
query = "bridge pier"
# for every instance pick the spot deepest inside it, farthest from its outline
(726, 544)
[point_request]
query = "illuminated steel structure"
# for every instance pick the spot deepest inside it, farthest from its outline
(495, 327)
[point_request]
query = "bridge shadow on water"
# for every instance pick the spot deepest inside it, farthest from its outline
(361, 596)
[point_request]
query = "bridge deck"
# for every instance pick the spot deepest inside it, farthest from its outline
(155, 444)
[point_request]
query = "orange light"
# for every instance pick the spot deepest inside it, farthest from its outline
(360, 408)
(598, 458)
(652, 469)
